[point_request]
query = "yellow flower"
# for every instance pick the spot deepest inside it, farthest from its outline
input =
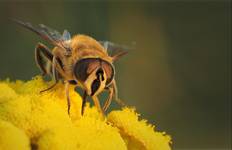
(138, 134)
(30, 120)
(12, 137)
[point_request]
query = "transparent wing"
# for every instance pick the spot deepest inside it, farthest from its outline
(116, 50)
(48, 34)
(66, 35)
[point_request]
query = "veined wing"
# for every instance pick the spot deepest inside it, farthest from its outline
(116, 50)
(50, 35)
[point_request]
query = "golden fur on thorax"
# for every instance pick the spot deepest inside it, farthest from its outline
(85, 46)
(82, 46)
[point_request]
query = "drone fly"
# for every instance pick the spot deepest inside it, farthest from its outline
(79, 60)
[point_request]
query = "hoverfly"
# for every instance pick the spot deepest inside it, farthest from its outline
(79, 60)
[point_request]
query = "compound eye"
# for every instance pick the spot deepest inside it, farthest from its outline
(100, 74)
(83, 68)
(109, 70)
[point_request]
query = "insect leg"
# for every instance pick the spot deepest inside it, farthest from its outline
(119, 101)
(109, 99)
(67, 96)
(54, 75)
(56, 65)
(42, 49)
(97, 104)
(52, 86)
(83, 102)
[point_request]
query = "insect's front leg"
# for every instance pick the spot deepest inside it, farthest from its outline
(109, 99)
(97, 104)
(119, 101)
(56, 68)
(40, 52)
(67, 96)
(84, 97)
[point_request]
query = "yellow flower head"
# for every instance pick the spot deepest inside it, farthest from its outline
(30, 120)
(12, 136)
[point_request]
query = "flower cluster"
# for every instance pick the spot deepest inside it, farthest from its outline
(30, 120)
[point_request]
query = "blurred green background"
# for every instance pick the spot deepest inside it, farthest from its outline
(178, 77)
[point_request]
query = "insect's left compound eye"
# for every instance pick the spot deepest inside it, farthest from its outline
(109, 70)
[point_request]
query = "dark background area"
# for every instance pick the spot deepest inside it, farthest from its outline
(178, 77)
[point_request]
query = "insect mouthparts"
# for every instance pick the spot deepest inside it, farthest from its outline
(100, 73)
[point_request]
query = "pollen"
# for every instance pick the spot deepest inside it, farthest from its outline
(33, 120)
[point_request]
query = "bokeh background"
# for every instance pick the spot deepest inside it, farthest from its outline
(178, 77)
